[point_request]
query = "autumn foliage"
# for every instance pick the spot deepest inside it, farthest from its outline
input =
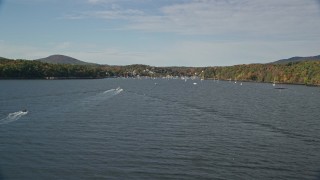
(304, 72)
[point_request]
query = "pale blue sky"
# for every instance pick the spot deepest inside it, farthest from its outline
(161, 32)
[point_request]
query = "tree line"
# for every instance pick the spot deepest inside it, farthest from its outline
(304, 72)
(26, 69)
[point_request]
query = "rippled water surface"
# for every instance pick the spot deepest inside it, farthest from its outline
(158, 129)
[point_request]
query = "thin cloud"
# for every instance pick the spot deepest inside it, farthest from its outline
(85, 52)
(180, 53)
(63, 45)
(116, 14)
(256, 18)
(99, 1)
(230, 17)
(191, 32)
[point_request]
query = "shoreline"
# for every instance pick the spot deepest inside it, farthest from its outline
(211, 79)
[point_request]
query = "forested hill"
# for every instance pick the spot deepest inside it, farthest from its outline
(297, 59)
(28, 69)
(301, 72)
(61, 59)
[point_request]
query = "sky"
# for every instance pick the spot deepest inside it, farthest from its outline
(161, 32)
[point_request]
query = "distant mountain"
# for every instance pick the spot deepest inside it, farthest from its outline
(297, 59)
(61, 59)
(2, 58)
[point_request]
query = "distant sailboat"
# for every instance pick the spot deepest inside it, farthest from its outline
(274, 82)
(202, 75)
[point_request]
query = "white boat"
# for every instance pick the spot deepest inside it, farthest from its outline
(274, 82)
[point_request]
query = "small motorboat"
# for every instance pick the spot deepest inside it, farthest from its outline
(24, 110)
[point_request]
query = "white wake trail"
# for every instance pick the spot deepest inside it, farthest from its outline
(101, 97)
(109, 93)
(113, 91)
(12, 117)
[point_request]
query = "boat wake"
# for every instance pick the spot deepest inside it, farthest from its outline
(96, 99)
(113, 92)
(12, 117)
(108, 94)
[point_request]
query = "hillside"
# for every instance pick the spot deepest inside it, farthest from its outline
(300, 72)
(61, 59)
(297, 59)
